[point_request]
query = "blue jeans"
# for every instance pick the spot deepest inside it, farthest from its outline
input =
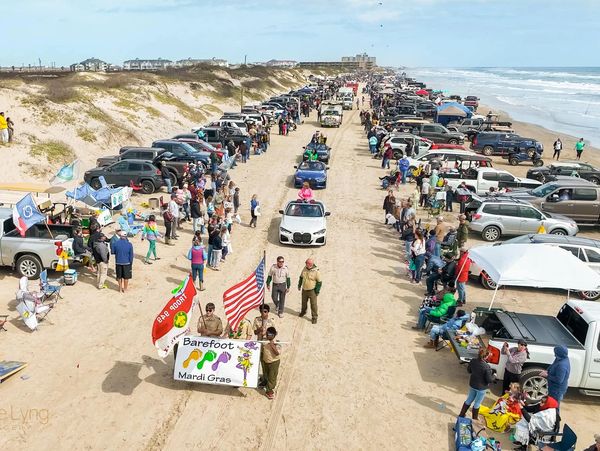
(404, 177)
(167, 182)
(209, 253)
(475, 395)
(407, 245)
(385, 163)
(423, 317)
(198, 272)
(462, 294)
(373, 148)
(437, 330)
(438, 249)
(431, 280)
(419, 260)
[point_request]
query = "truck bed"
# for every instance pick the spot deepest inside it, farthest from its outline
(536, 329)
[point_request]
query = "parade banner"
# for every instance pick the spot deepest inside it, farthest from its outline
(214, 361)
(175, 318)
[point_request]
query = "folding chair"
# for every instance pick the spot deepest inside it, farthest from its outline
(567, 442)
(103, 183)
(431, 320)
(3, 319)
(130, 229)
(48, 287)
(31, 305)
(134, 187)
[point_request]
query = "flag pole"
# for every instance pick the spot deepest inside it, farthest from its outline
(201, 314)
(45, 219)
(264, 275)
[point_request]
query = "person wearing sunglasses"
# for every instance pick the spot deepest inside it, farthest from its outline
(210, 325)
(280, 276)
(263, 322)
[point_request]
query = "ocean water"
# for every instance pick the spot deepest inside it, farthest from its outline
(564, 99)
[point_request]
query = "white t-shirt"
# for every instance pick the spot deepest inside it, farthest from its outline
(174, 208)
(418, 247)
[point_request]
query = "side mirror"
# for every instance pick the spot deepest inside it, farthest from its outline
(280, 212)
(327, 213)
(552, 198)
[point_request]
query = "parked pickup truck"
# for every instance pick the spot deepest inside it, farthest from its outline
(438, 134)
(573, 197)
(576, 326)
(480, 180)
(30, 254)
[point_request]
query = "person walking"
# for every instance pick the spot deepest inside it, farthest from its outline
(280, 276)
(174, 210)
(101, 254)
(310, 284)
(270, 358)
(558, 373)
(579, 145)
(150, 232)
(123, 250)
(254, 210)
(197, 256)
(516, 357)
(479, 382)
(557, 148)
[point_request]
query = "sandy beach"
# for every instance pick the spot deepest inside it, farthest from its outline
(359, 379)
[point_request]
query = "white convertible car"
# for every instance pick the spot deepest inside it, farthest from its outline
(303, 224)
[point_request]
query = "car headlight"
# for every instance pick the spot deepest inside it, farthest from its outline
(321, 232)
(281, 229)
(321, 179)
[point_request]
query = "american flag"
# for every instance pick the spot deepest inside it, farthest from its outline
(244, 296)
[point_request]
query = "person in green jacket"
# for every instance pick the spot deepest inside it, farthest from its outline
(448, 301)
(311, 154)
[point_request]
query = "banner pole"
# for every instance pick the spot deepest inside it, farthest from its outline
(201, 314)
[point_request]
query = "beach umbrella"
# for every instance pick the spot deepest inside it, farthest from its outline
(422, 92)
(539, 266)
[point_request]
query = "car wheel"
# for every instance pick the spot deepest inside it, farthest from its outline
(533, 384)
(590, 295)
(561, 232)
(148, 187)
(95, 183)
(488, 151)
(453, 141)
(537, 163)
(513, 161)
(594, 180)
(397, 155)
(29, 266)
(491, 233)
(486, 281)
(531, 152)
(173, 178)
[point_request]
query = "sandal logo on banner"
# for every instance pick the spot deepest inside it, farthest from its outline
(174, 319)
(214, 361)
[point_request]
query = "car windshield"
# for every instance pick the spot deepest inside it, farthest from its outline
(544, 190)
(311, 166)
(305, 210)
(188, 147)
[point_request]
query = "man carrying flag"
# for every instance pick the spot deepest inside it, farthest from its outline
(26, 214)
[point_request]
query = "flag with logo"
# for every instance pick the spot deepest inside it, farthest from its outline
(67, 173)
(245, 296)
(26, 214)
(175, 318)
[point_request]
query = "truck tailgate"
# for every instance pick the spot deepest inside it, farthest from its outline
(537, 329)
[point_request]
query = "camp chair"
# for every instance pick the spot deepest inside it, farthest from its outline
(3, 319)
(48, 287)
(103, 183)
(431, 320)
(31, 305)
(567, 442)
(130, 229)
(134, 187)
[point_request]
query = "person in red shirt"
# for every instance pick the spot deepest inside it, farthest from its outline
(462, 275)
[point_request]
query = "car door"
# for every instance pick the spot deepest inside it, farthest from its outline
(530, 219)
(134, 171)
(511, 219)
(115, 174)
(593, 258)
(591, 379)
(486, 180)
(506, 144)
(507, 181)
(560, 201)
(585, 205)
(428, 131)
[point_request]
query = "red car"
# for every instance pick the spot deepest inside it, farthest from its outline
(447, 146)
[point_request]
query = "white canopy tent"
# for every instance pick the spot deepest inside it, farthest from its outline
(540, 266)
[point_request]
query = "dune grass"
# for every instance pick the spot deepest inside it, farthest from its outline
(165, 97)
(53, 151)
(87, 135)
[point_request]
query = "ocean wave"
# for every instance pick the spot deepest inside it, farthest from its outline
(544, 73)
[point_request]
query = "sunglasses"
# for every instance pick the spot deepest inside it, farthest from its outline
(210, 309)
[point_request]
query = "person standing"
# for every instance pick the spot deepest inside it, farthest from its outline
(166, 177)
(101, 254)
(197, 257)
(3, 129)
(373, 144)
(579, 145)
(254, 210)
(389, 205)
(557, 148)
(217, 248)
(150, 232)
(243, 332)
(462, 276)
(174, 210)
(270, 358)
(388, 153)
(516, 357)
(280, 276)
(462, 231)
(11, 129)
(403, 165)
(263, 322)
(210, 325)
(123, 250)
(417, 249)
(236, 201)
(243, 149)
(168, 220)
(310, 284)
(558, 373)
(479, 382)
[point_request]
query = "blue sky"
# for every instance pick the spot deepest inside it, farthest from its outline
(445, 33)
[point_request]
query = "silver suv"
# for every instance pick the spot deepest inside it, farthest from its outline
(508, 216)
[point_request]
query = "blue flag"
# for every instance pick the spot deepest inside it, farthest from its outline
(65, 174)
(26, 214)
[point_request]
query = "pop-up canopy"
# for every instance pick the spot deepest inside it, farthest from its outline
(538, 265)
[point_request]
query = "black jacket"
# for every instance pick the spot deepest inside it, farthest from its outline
(195, 209)
(481, 374)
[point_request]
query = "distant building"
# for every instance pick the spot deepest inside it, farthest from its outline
(364, 61)
(335, 64)
(193, 62)
(281, 63)
(90, 65)
(147, 64)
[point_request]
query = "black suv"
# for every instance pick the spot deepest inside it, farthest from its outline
(496, 143)
(123, 173)
(131, 153)
(183, 151)
(568, 168)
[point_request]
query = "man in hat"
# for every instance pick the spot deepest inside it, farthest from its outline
(210, 325)
(310, 284)
(280, 276)
(462, 231)
(123, 250)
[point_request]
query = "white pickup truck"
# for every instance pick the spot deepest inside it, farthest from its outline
(482, 179)
(576, 326)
